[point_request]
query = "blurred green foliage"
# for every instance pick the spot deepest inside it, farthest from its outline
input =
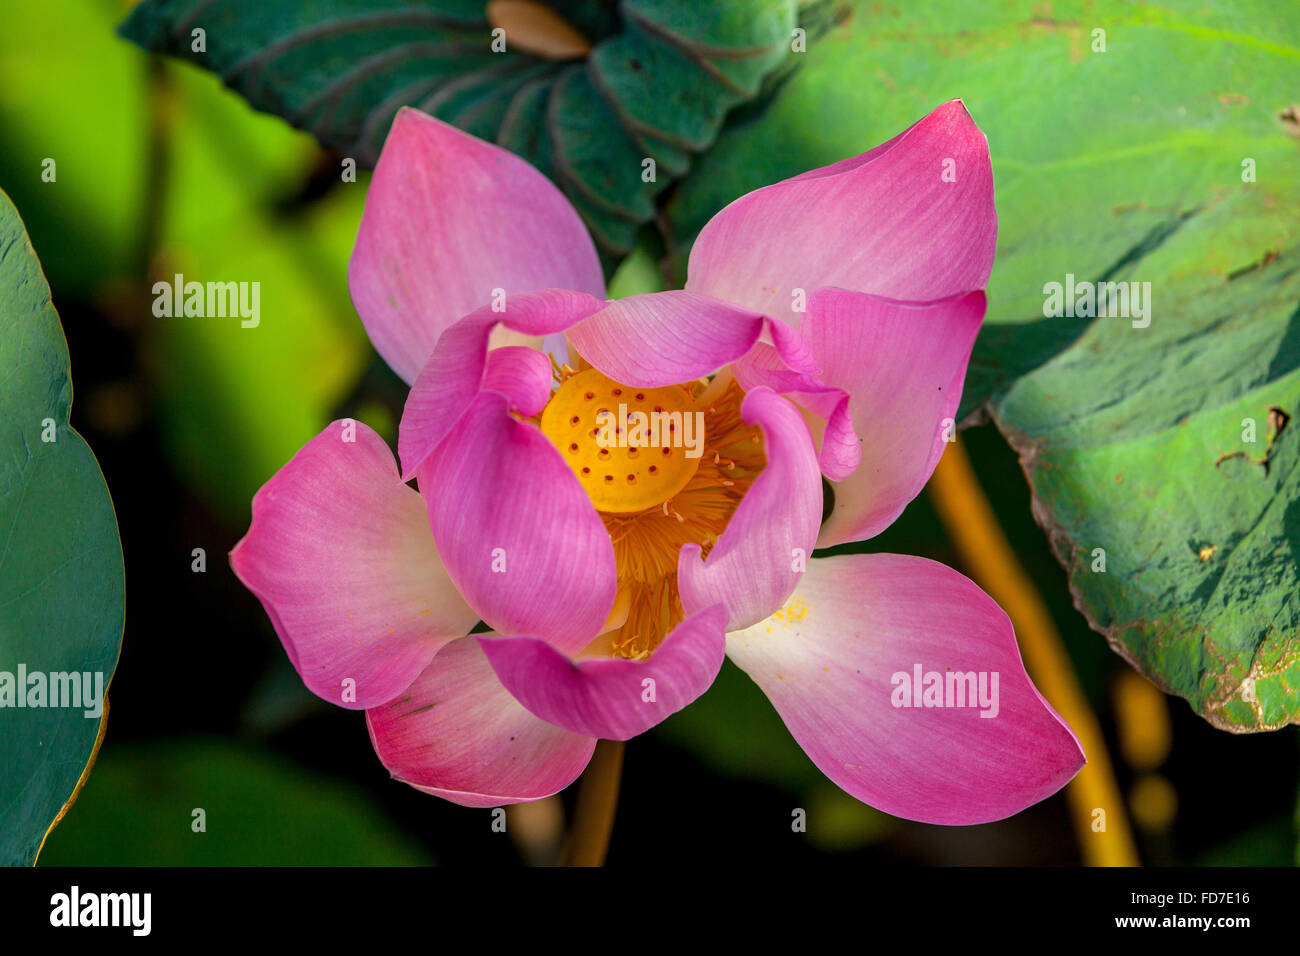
(160, 169)
(138, 809)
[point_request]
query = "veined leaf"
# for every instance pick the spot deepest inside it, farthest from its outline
(660, 77)
(61, 574)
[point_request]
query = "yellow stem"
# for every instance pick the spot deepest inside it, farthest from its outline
(985, 551)
(593, 817)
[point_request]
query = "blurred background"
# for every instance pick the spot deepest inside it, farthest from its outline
(161, 170)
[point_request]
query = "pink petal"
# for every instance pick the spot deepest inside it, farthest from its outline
(613, 699)
(840, 451)
(902, 365)
(522, 375)
(448, 220)
(828, 664)
(885, 222)
(663, 338)
(519, 536)
(761, 555)
(340, 555)
(458, 734)
(458, 368)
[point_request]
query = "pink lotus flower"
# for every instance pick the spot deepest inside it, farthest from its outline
(616, 578)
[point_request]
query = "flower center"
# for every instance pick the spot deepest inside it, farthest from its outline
(631, 448)
(654, 481)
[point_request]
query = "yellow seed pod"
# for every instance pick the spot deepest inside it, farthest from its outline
(625, 444)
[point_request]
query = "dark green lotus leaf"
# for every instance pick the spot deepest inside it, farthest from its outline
(207, 802)
(658, 83)
(61, 576)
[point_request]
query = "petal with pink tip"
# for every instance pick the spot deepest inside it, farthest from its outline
(615, 699)
(450, 219)
(902, 365)
(458, 734)
(760, 557)
(889, 222)
(340, 555)
(459, 367)
(663, 338)
(833, 663)
(517, 533)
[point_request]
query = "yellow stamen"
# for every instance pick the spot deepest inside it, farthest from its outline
(648, 529)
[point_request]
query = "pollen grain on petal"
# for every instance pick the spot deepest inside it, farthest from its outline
(792, 613)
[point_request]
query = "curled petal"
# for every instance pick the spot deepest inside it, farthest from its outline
(458, 734)
(840, 451)
(340, 555)
(762, 553)
(459, 368)
(522, 375)
(614, 699)
(449, 220)
(973, 743)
